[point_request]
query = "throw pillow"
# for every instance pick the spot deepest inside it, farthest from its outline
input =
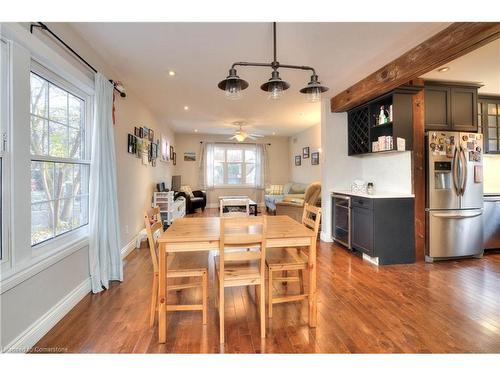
(187, 189)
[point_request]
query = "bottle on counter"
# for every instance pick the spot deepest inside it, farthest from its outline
(370, 189)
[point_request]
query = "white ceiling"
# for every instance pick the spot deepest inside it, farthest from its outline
(201, 54)
(481, 65)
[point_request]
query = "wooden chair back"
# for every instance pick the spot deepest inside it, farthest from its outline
(153, 224)
(311, 217)
(240, 234)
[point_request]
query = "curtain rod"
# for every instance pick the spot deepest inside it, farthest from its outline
(42, 26)
(241, 143)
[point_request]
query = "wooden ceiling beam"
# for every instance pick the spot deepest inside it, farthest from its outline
(456, 40)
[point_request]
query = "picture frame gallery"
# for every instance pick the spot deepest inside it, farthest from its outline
(143, 145)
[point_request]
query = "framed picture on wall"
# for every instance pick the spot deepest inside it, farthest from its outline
(190, 156)
(132, 144)
(151, 135)
(137, 131)
(298, 160)
(315, 158)
(174, 159)
(305, 152)
(171, 152)
(164, 149)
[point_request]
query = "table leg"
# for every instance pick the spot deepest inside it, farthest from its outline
(162, 296)
(313, 311)
(255, 210)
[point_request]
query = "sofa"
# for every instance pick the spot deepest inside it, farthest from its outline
(276, 193)
(293, 206)
(195, 199)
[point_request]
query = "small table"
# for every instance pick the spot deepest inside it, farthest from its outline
(236, 199)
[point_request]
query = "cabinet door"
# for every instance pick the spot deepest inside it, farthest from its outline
(437, 108)
(362, 230)
(464, 109)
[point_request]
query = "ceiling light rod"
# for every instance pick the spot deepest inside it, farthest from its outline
(44, 27)
(233, 85)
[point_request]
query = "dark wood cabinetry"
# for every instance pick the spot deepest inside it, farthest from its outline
(489, 122)
(450, 106)
(384, 228)
(364, 129)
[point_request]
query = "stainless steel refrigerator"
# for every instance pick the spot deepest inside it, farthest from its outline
(454, 200)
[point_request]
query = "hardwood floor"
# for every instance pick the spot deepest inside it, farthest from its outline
(445, 307)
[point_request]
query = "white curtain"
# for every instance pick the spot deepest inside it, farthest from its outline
(261, 166)
(104, 252)
(207, 166)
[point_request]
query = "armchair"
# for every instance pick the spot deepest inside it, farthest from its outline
(294, 207)
(194, 199)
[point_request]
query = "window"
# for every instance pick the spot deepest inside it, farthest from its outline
(4, 120)
(59, 159)
(234, 165)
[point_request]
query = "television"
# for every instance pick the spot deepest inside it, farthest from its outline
(176, 183)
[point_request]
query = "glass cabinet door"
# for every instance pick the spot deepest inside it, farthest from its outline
(489, 123)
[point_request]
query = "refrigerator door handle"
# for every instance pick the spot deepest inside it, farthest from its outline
(455, 171)
(458, 216)
(464, 171)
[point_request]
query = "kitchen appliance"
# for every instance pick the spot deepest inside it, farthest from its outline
(454, 199)
(491, 222)
(341, 219)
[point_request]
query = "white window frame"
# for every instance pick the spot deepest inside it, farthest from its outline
(5, 161)
(58, 241)
(242, 147)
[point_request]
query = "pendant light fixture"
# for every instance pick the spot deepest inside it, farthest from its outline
(233, 85)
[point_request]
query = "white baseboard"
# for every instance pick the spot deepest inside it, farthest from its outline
(44, 324)
(127, 249)
(325, 237)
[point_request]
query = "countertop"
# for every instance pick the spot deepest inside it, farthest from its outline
(382, 194)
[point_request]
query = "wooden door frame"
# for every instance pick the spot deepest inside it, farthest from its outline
(456, 40)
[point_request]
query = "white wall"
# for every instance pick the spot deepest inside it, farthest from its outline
(491, 174)
(279, 168)
(306, 172)
(389, 172)
(38, 290)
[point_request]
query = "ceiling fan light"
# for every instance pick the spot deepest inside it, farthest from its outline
(314, 89)
(240, 137)
(233, 85)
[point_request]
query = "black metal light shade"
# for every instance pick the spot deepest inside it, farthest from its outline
(233, 85)
(314, 89)
(275, 86)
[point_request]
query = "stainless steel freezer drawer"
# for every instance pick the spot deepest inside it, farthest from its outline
(455, 233)
(491, 220)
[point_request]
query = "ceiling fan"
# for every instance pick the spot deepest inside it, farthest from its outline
(240, 135)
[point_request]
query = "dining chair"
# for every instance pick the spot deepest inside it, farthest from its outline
(188, 265)
(291, 259)
(235, 202)
(241, 261)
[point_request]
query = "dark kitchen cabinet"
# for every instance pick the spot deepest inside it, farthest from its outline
(364, 129)
(489, 122)
(362, 230)
(450, 106)
(384, 228)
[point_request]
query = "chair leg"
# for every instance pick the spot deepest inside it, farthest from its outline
(285, 274)
(301, 277)
(154, 300)
(221, 312)
(205, 296)
(262, 309)
(270, 293)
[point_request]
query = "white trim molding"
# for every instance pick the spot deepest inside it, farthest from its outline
(25, 341)
(325, 237)
(127, 249)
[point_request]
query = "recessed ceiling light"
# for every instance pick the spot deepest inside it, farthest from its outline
(196, 130)
(186, 108)
(443, 69)
(171, 73)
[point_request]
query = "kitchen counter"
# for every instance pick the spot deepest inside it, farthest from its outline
(377, 194)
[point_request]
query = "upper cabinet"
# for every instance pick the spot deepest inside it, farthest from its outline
(450, 106)
(377, 126)
(489, 122)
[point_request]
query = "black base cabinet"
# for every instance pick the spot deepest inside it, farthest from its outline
(384, 228)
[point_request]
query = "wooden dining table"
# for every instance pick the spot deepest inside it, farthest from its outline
(203, 234)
